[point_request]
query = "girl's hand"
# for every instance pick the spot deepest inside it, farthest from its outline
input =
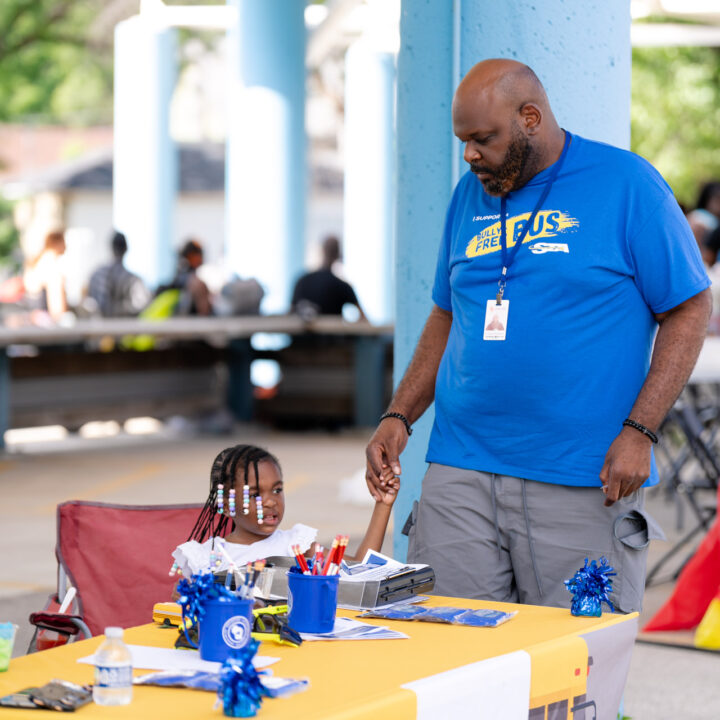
(388, 495)
(388, 477)
(382, 455)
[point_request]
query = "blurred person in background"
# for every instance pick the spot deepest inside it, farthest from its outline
(195, 296)
(709, 198)
(704, 220)
(239, 296)
(322, 292)
(117, 291)
(709, 248)
(44, 278)
(711, 245)
(705, 224)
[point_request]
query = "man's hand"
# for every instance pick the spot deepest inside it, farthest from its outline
(383, 453)
(627, 465)
(412, 397)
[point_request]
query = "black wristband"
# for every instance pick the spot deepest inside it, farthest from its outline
(641, 428)
(399, 416)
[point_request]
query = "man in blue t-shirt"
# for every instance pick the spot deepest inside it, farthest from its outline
(561, 259)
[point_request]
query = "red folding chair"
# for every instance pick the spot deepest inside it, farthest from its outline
(117, 557)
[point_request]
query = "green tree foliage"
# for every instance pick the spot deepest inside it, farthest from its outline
(9, 238)
(53, 66)
(56, 67)
(676, 115)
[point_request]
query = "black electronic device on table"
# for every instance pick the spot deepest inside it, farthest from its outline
(400, 584)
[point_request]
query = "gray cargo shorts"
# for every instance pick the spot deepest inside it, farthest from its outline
(495, 537)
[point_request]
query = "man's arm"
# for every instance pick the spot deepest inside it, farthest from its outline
(412, 397)
(678, 343)
(55, 294)
(362, 317)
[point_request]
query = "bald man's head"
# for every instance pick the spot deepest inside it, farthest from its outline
(502, 114)
(507, 82)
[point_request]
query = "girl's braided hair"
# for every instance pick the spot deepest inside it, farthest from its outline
(224, 470)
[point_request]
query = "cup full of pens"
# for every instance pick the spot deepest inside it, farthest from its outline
(227, 620)
(313, 588)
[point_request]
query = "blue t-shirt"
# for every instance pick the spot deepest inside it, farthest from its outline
(609, 248)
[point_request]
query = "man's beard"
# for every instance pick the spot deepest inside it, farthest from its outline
(514, 170)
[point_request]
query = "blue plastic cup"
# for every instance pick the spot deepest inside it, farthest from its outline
(225, 625)
(312, 602)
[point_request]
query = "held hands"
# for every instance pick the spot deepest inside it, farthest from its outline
(627, 465)
(383, 466)
(389, 494)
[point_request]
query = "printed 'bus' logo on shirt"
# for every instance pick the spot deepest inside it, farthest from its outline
(547, 224)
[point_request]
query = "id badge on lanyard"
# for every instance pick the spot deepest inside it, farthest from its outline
(496, 317)
(497, 310)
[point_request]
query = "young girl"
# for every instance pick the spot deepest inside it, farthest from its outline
(246, 494)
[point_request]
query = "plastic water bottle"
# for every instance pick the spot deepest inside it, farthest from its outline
(113, 670)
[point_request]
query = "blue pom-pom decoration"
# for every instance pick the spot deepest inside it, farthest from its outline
(241, 691)
(590, 587)
(194, 593)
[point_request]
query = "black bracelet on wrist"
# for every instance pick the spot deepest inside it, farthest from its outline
(399, 416)
(642, 429)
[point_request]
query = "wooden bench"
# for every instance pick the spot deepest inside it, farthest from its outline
(333, 372)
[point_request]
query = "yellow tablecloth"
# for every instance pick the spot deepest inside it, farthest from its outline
(570, 660)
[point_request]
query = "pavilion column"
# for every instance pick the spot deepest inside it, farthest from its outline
(266, 153)
(368, 217)
(144, 155)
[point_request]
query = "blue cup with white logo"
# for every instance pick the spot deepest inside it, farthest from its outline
(225, 625)
(312, 602)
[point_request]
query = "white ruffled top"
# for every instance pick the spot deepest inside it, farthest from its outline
(194, 557)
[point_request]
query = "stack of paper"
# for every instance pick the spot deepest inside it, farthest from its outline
(349, 629)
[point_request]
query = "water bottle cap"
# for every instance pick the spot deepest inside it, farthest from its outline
(113, 632)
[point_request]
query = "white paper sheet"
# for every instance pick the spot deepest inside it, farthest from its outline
(153, 658)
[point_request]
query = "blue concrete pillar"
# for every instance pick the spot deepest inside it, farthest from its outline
(266, 155)
(368, 218)
(144, 155)
(581, 53)
(424, 182)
